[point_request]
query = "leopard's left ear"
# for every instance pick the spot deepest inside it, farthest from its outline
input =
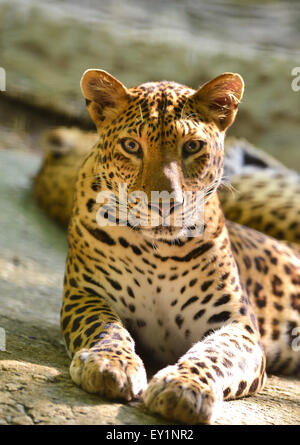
(218, 99)
(105, 95)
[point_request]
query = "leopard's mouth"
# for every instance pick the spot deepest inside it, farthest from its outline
(161, 232)
(170, 229)
(171, 233)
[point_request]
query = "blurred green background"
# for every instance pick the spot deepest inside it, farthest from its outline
(46, 45)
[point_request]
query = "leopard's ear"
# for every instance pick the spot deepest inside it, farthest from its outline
(218, 99)
(105, 95)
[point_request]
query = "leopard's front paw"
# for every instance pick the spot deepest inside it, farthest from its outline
(177, 396)
(110, 375)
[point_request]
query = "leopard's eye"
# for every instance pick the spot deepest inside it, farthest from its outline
(131, 146)
(192, 147)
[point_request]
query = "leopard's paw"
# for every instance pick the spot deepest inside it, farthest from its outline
(180, 397)
(110, 375)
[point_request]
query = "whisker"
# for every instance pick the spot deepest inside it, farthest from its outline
(226, 183)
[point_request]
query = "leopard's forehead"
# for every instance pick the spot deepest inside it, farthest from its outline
(157, 99)
(163, 87)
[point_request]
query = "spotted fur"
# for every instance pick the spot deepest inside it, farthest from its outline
(214, 310)
(265, 195)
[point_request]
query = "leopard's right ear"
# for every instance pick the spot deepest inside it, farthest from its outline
(105, 95)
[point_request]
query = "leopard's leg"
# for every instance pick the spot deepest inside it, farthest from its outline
(102, 350)
(227, 364)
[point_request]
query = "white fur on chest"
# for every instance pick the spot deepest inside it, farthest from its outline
(151, 306)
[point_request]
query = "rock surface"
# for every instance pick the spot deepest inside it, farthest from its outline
(35, 387)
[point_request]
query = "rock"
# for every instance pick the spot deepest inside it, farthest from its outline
(137, 43)
(35, 387)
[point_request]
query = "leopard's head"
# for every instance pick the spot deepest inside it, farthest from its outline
(160, 138)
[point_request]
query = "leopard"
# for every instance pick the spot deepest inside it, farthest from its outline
(54, 184)
(214, 303)
(267, 193)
